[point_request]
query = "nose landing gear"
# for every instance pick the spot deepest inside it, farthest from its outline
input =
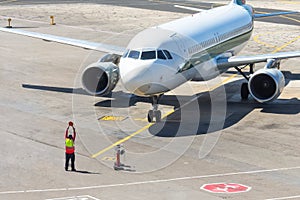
(154, 113)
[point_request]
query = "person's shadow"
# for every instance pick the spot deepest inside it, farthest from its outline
(84, 172)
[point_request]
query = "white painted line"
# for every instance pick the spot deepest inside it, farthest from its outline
(282, 198)
(46, 190)
(83, 197)
(12, 192)
(152, 181)
(92, 197)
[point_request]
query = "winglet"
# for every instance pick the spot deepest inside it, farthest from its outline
(239, 2)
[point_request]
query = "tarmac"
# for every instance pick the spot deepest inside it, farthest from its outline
(208, 135)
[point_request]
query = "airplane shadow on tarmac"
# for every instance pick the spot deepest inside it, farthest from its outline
(178, 124)
(196, 117)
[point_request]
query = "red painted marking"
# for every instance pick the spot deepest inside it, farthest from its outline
(225, 188)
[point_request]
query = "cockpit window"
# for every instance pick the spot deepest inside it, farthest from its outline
(147, 55)
(125, 54)
(134, 54)
(161, 55)
(167, 53)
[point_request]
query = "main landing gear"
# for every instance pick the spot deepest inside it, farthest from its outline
(154, 113)
(244, 88)
(244, 91)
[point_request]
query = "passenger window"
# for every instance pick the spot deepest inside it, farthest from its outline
(134, 54)
(147, 55)
(167, 54)
(161, 55)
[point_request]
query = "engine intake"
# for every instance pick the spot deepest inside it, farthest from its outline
(100, 78)
(266, 84)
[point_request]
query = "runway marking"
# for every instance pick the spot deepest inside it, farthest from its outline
(282, 16)
(122, 140)
(225, 188)
(296, 20)
(112, 118)
(164, 116)
(107, 158)
(257, 40)
(154, 181)
(286, 44)
(119, 118)
(282, 198)
(82, 197)
(222, 82)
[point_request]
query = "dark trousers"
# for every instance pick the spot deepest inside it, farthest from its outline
(68, 157)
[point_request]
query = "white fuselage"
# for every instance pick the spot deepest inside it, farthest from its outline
(161, 58)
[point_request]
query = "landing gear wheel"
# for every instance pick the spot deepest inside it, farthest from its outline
(244, 91)
(150, 116)
(157, 114)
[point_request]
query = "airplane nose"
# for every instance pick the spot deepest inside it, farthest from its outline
(136, 79)
(147, 79)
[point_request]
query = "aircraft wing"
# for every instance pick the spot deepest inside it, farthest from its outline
(255, 16)
(272, 14)
(189, 8)
(68, 41)
(245, 60)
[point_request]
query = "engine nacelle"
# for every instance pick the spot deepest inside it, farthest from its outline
(266, 84)
(100, 78)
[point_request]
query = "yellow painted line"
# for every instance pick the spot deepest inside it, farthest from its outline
(112, 118)
(107, 158)
(260, 12)
(130, 136)
(140, 119)
(282, 16)
(123, 140)
(257, 40)
(286, 44)
(151, 124)
(222, 82)
(169, 113)
(296, 20)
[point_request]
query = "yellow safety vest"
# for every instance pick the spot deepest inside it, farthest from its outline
(69, 146)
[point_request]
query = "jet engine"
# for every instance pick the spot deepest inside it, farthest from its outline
(100, 78)
(266, 84)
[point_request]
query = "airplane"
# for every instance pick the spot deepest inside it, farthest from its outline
(198, 47)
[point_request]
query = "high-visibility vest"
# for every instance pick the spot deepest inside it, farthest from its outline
(70, 146)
